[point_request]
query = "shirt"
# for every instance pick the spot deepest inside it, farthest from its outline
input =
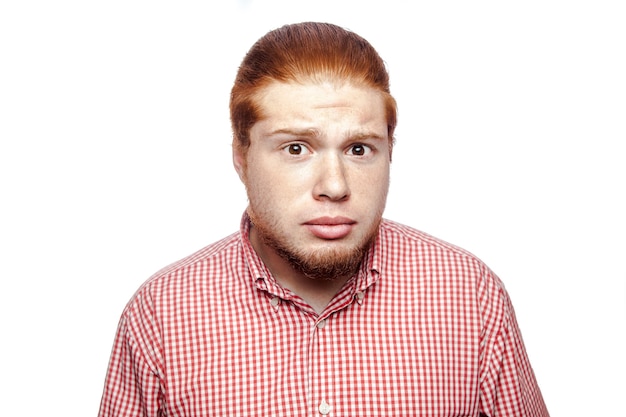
(423, 329)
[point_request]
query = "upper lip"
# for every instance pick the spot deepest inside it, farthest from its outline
(330, 221)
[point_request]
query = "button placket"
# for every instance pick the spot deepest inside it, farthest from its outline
(322, 365)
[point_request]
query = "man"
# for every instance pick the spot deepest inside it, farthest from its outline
(318, 306)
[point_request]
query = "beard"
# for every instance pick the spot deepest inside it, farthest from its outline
(323, 264)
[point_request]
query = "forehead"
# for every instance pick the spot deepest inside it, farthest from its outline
(311, 100)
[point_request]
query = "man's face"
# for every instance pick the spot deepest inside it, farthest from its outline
(317, 174)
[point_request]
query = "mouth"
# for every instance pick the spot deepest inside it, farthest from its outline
(330, 228)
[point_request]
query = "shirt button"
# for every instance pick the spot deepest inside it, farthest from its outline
(359, 297)
(321, 324)
(274, 301)
(324, 408)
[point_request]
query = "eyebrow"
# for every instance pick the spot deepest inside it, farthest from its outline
(309, 132)
(314, 133)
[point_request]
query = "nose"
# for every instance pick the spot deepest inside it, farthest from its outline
(332, 182)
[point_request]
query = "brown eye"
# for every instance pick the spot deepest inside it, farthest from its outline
(359, 150)
(295, 149)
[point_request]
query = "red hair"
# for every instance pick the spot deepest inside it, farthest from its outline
(305, 52)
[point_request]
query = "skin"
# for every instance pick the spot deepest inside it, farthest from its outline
(317, 177)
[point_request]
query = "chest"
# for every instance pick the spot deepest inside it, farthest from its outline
(391, 354)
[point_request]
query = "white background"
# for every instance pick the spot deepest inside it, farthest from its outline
(115, 161)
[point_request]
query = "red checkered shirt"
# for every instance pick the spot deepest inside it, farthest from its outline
(424, 329)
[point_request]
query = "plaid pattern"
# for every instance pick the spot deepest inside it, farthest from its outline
(424, 329)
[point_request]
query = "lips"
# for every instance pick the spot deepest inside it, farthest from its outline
(330, 228)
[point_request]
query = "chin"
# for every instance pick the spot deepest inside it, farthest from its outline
(329, 260)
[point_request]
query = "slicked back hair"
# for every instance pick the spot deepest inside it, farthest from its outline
(305, 52)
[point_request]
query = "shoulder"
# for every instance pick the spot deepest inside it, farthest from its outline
(433, 263)
(396, 235)
(431, 256)
(192, 271)
(228, 247)
(177, 292)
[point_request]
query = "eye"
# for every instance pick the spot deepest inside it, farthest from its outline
(359, 149)
(295, 149)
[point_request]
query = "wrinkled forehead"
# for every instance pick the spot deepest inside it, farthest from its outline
(304, 88)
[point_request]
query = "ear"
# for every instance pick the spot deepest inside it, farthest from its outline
(239, 162)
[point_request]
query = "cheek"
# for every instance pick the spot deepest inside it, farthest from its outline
(269, 185)
(373, 180)
(374, 191)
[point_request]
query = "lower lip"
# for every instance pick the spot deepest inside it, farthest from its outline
(330, 231)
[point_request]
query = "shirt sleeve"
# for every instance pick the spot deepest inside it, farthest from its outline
(508, 386)
(132, 385)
